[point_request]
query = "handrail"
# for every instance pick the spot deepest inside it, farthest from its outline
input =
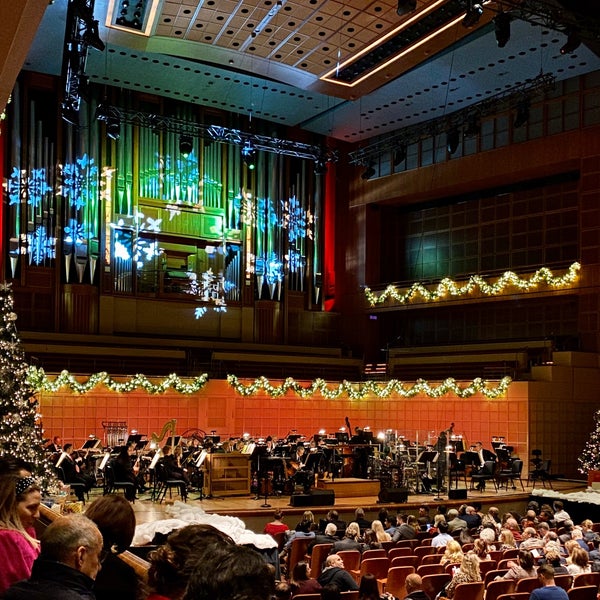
(138, 564)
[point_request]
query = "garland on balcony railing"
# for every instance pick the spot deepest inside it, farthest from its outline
(38, 379)
(358, 391)
(448, 288)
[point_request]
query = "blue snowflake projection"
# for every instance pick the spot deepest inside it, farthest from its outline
(295, 260)
(31, 189)
(266, 215)
(271, 267)
(74, 234)
(295, 219)
(80, 182)
(41, 246)
(200, 312)
(181, 181)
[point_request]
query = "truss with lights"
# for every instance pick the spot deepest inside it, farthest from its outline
(216, 133)
(515, 96)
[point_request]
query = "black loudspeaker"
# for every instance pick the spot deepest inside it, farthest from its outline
(457, 494)
(315, 498)
(393, 495)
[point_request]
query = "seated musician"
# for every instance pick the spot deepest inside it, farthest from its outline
(172, 465)
(123, 467)
(483, 456)
(302, 476)
(74, 472)
(55, 445)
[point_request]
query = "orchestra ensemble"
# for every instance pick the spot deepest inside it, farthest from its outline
(288, 465)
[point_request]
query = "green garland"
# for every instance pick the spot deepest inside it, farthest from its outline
(38, 379)
(447, 287)
(358, 391)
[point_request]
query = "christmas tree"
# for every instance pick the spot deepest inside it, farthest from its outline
(590, 457)
(20, 432)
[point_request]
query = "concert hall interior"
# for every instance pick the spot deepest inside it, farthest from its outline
(247, 243)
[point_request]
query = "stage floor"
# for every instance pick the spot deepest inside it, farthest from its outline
(257, 512)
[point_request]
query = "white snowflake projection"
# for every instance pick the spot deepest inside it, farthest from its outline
(271, 267)
(295, 260)
(80, 182)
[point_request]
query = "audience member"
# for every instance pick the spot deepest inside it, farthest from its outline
(370, 541)
(423, 517)
(480, 548)
(369, 589)
(382, 536)
(283, 590)
(170, 563)
(19, 507)
(406, 529)
(454, 521)
(560, 514)
(350, 539)
(329, 537)
(359, 517)
(578, 561)
(334, 573)
(443, 537)
(466, 573)
(276, 525)
(552, 558)
(506, 540)
(70, 558)
(331, 592)
(488, 535)
(115, 519)
(414, 588)
(230, 572)
(308, 518)
(333, 517)
(530, 539)
(492, 519)
(301, 581)
(522, 568)
(471, 517)
(549, 589)
(453, 553)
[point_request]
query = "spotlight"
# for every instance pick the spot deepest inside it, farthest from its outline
(502, 28)
(186, 145)
(452, 140)
(405, 7)
(573, 42)
(249, 155)
(474, 12)
(399, 155)
(91, 36)
(369, 172)
(522, 114)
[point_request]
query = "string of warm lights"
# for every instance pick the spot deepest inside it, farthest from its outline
(358, 391)
(38, 379)
(507, 283)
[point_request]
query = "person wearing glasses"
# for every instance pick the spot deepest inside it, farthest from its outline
(69, 561)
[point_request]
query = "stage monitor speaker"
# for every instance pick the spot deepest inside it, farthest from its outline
(457, 494)
(399, 495)
(315, 498)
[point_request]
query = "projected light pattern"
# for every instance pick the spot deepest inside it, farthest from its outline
(32, 187)
(41, 246)
(80, 182)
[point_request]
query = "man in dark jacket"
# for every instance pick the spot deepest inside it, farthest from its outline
(414, 588)
(334, 573)
(68, 563)
(329, 537)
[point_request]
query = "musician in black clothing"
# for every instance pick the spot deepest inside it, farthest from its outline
(173, 469)
(123, 467)
(484, 455)
(73, 472)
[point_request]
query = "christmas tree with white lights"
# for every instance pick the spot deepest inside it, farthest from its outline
(20, 433)
(590, 457)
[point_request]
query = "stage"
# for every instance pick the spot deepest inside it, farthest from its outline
(256, 512)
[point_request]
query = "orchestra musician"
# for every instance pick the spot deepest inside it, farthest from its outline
(55, 445)
(73, 472)
(126, 468)
(483, 455)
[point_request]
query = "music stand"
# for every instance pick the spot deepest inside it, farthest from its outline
(198, 464)
(90, 444)
(341, 437)
(134, 439)
(173, 440)
(258, 455)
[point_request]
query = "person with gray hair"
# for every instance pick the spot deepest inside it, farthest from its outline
(70, 558)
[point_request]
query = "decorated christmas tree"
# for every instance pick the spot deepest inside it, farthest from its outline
(590, 457)
(20, 432)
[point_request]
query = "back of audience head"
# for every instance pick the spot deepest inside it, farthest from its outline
(546, 572)
(368, 588)
(301, 571)
(413, 582)
(331, 592)
(11, 465)
(283, 590)
(526, 559)
(73, 540)
(115, 519)
(352, 531)
(230, 572)
(171, 563)
(330, 529)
